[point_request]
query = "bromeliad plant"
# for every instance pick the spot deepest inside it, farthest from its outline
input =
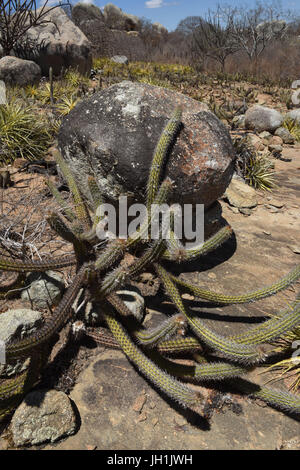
(102, 268)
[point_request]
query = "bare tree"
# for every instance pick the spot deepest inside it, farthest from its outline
(253, 30)
(152, 37)
(188, 25)
(213, 38)
(17, 16)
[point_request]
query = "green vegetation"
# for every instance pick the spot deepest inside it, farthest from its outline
(293, 126)
(23, 131)
(260, 173)
(257, 170)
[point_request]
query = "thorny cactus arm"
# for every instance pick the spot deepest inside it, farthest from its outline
(13, 390)
(166, 140)
(228, 348)
(63, 229)
(62, 203)
(39, 266)
(179, 254)
(170, 327)
(206, 371)
(80, 207)
(278, 286)
(145, 229)
(282, 400)
(172, 346)
(97, 197)
(176, 390)
(10, 290)
(272, 329)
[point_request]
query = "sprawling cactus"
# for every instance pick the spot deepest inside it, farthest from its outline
(102, 268)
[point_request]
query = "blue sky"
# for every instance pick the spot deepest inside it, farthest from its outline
(170, 12)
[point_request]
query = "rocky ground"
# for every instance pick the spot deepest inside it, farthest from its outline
(115, 408)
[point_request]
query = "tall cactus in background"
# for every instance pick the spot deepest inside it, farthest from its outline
(101, 272)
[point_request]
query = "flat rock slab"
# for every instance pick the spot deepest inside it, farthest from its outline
(120, 411)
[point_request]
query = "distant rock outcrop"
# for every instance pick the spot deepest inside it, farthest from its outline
(115, 18)
(106, 41)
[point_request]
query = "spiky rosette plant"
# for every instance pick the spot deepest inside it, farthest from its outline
(102, 267)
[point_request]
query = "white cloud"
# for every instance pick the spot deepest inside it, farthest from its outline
(159, 4)
(51, 3)
(154, 3)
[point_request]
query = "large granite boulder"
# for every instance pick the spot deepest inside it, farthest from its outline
(15, 71)
(114, 134)
(90, 20)
(59, 43)
(261, 118)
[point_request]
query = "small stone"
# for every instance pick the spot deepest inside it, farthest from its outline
(152, 405)
(154, 422)
(43, 416)
(44, 289)
(239, 121)
(245, 211)
(276, 140)
(142, 417)
(265, 135)
(275, 203)
(241, 195)
(266, 233)
(120, 59)
(14, 325)
(234, 209)
(139, 403)
(294, 114)
(212, 276)
(134, 301)
(15, 71)
(188, 297)
(295, 249)
(275, 148)
(257, 142)
(285, 135)
(146, 277)
(180, 420)
(19, 162)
